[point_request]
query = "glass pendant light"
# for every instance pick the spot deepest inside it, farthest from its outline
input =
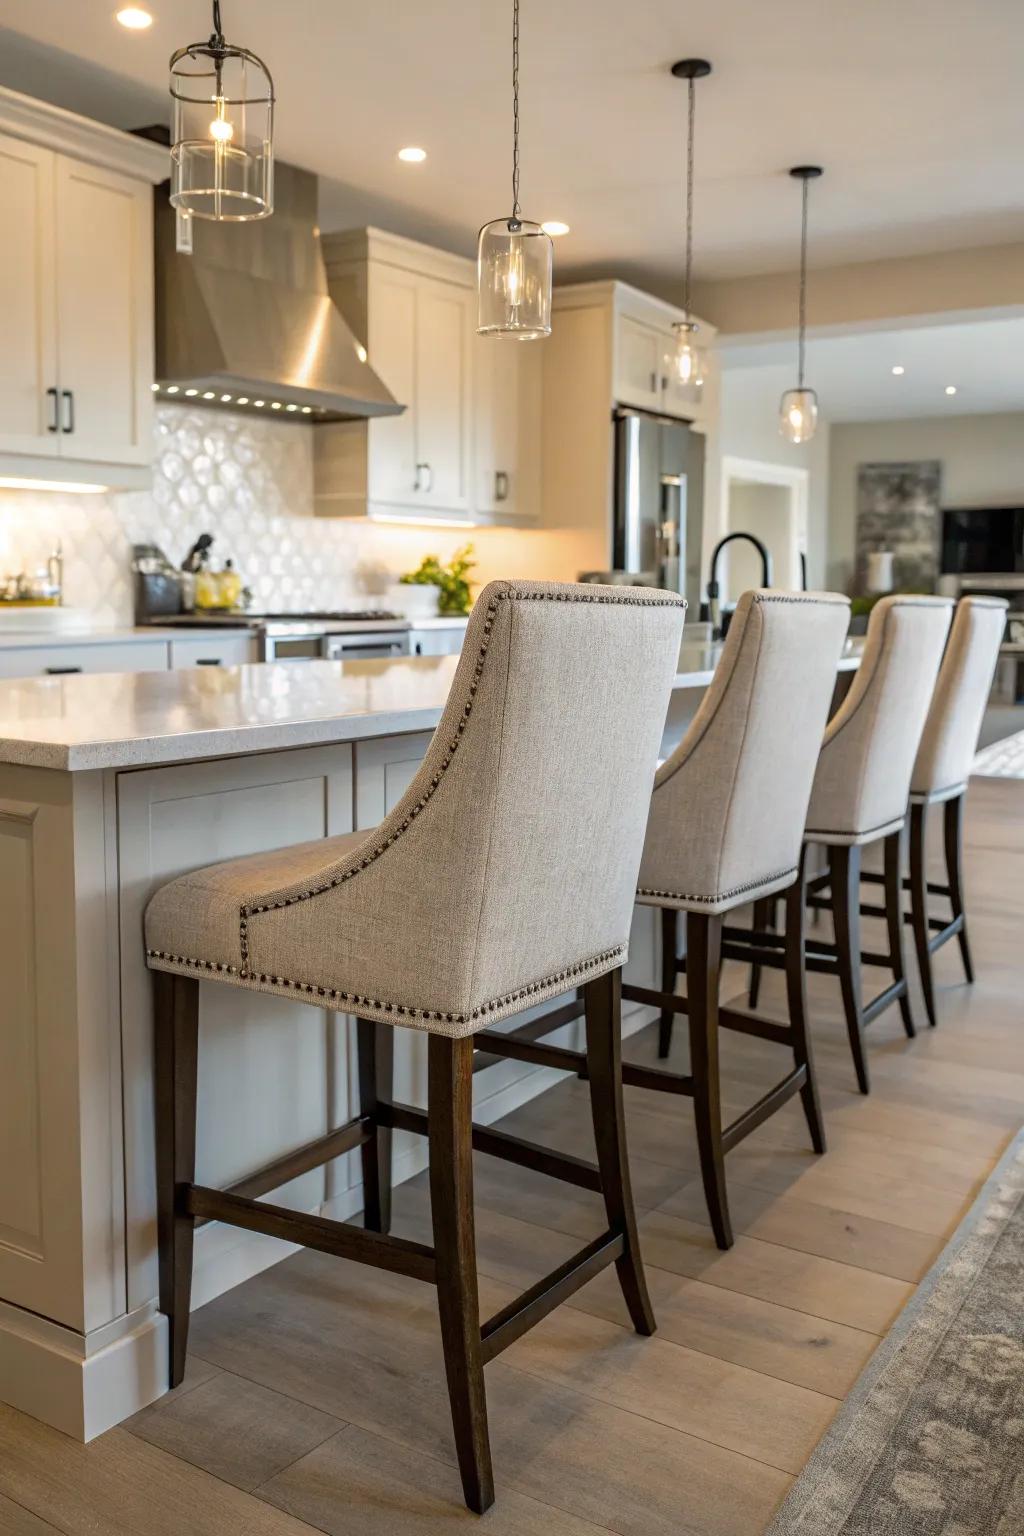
(513, 270)
(798, 409)
(222, 136)
(688, 362)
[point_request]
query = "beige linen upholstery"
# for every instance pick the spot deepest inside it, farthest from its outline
(965, 678)
(729, 805)
(506, 872)
(863, 778)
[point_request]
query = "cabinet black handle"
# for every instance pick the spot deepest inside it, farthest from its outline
(208, 661)
(501, 485)
(52, 395)
(60, 671)
(69, 414)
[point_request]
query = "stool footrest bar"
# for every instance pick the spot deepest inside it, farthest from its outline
(335, 1237)
(522, 1314)
(536, 1029)
(511, 1149)
(759, 1112)
(944, 931)
(533, 1051)
(313, 1155)
(880, 1003)
(652, 998)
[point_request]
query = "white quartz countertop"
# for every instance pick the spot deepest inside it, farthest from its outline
(142, 719)
(12, 638)
(698, 660)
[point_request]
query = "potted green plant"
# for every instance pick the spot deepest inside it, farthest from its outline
(454, 594)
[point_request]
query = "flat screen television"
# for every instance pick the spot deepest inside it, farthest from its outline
(981, 539)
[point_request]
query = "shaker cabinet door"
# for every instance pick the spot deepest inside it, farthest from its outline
(392, 348)
(28, 335)
(508, 424)
(104, 268)
(443, 385)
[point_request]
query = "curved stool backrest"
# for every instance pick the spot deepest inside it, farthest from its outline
(950, 737)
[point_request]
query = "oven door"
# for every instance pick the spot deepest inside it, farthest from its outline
(366, 645)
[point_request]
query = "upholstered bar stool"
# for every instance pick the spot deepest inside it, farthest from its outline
(449, 916)
(941, 771)
(860, 795)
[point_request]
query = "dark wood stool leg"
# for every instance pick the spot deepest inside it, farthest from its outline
(954, 838)
(919, 904)
(796, 996)
(176, 1045)
(669, 968)
(762, 921)
(894, 922)
(604, 1066)
(844, 869)
(703, 968)
(450, 1110)
(376, 1049)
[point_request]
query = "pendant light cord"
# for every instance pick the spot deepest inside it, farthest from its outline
(802, 323)
(217, 37)
(691, 117)
(515, 109)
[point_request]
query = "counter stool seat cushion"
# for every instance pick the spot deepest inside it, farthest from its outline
(440, 917)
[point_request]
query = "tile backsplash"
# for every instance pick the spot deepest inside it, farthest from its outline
(249, 482)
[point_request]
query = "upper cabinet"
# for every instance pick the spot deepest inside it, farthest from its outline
(466, 447)
(76, 297)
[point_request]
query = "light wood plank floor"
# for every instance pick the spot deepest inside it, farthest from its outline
(315, 1394)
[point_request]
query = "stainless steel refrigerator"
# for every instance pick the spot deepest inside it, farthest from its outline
(658, 505)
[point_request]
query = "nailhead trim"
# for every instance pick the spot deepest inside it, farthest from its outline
(801, 597)
(737, 890)
(571, 974)
(660, 601)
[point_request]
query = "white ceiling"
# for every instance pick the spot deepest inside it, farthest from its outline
(854, 379)
(913, 106)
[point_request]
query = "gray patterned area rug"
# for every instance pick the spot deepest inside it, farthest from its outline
(931, 1441)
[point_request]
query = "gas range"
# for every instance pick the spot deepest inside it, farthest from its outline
(311, 636)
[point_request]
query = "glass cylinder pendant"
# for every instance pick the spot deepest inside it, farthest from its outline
(689, 363)
(798, 415)
(514, 280)
(222, 150)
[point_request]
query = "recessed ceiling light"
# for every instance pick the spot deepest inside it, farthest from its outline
(554, 228)
(899, 370)
(134, 18)
(412, 154)
(950, 389)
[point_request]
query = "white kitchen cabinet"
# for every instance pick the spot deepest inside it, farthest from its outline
(76, 297)
(104, 268)
(69, 657)
(467, 446)
(639, 364)
(413, 309)
(214, 651)
(437, 641)
(28, 320)
(508, 429)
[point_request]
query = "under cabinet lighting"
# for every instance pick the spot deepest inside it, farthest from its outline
(422, 522)
(72, 487)
(134, 18)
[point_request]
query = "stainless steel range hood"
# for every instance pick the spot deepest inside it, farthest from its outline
(247, 317)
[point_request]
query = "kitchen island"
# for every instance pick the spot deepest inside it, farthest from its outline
(111, 785)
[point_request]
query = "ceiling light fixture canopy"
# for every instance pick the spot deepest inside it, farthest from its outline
(514, 255)
(222, 135)
(689, 362)
(798, 409)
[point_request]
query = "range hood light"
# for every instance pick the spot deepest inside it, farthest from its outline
(172, 389)
(191, 392)
(222, 168)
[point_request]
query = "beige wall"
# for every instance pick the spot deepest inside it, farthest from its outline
(982, 464)
(985, 277)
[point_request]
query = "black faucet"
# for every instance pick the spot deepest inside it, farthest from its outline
(718, 629)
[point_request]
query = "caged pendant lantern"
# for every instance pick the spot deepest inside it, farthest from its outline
(514, 255)
(222, 133)
(689, 363)
(798, 408)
